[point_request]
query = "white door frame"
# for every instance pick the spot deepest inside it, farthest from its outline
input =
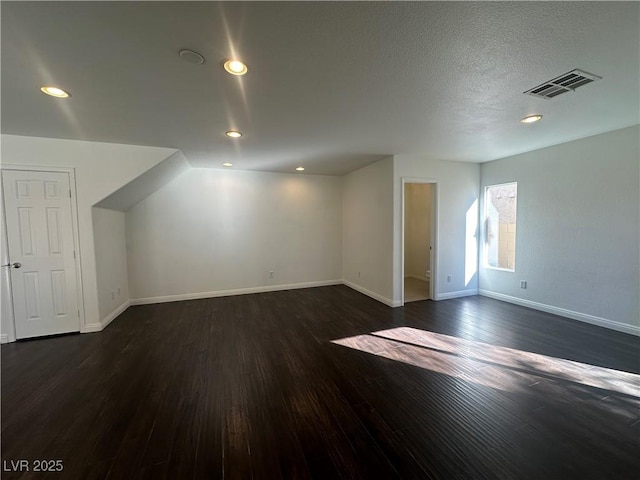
(7, 303)
(433, 254)
(76, 236)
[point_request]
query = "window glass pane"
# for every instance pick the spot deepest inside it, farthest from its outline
(500, 225)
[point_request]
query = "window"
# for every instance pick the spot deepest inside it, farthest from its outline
(500, 203)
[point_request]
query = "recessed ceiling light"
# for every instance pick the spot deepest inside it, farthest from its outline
(235, 67)
(227, 164)
(531, 118)
(55, 92)
(233, 134)
(300, 169)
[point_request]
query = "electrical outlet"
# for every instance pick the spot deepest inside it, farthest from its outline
(118, 291)
(358, 274)
(448, 278)
(523, 284)
(271, 273)
(113, 294)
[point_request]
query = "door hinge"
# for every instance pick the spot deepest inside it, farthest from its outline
(78, 313)
(74, 254)
(69, 193)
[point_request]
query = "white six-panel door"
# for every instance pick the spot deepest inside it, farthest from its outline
(41, 252)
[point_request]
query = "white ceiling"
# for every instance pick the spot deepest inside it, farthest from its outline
(331, 86)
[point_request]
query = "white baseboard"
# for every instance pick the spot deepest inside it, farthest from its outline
(99, 326)
(4, 338)
(563, 312)
(374, 295)
(458, 294)
(235, 291)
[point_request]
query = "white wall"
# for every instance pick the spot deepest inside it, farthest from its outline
(213, 230)
(111, 261)
(368, 230)
(417, 223)
(578, 237)
(100, 169)
(456, 195)
(141, 187)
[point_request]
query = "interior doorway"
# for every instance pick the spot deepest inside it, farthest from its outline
(418, 240)
(41, 253)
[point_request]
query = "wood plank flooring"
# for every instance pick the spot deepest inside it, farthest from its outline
(259, 386)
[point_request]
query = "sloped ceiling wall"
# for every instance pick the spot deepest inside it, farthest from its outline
(144, 185)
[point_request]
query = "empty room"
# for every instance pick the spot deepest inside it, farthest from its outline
(323, 240)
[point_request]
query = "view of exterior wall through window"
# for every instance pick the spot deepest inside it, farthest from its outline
(500, 202)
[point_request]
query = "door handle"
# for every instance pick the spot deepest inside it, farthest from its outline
(16, 265)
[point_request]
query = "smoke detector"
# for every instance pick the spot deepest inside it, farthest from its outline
(567, 82)
(191, 56)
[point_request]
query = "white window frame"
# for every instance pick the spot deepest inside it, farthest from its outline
(485, 225)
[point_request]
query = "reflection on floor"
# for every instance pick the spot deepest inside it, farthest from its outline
(415, 289)
(493, 366)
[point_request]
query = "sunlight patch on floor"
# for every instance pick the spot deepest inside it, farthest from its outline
(497, 367)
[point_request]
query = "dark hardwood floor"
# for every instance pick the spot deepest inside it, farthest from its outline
(254, 386)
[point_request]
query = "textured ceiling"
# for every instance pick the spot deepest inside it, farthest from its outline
(331, 85)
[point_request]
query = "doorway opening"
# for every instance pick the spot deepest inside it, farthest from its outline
(419, 207)
(40, 271)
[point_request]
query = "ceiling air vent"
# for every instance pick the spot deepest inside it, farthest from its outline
(567, 82)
